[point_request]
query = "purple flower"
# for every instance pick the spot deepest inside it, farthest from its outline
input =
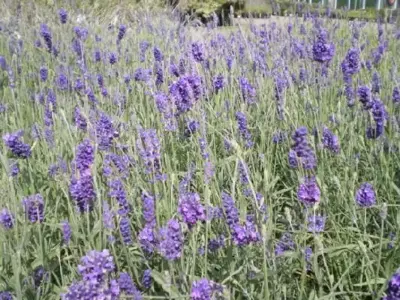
(376, 83)
(279, 137)
(243, 130)
(117, 191)
(330, 141)
(322, 50)
(304, 153)
(63, 14)
(307, 256)
(112, 58)
(149, 209)
(159, 73)
(97, 55)
(5, 295)
(231, 212)
(17, 147)
(108, 216)
(34, 208)
(150, 150)
(364, 94)
(351, 63)
(308, 192)
(3, 63)
(142, 75)
(66, 230)
(158, 56)
(147, 239)
(96, 265)
(146, 279)
(316, 223)
(128, 287)
(393, 289)
(201, 290)
(192, 126)
(198, 52)
(43, 72)
(243, 173)
(125, 229)
(396, 95)
(46, 35)
(379, 114)
(191, 209)
(365, 195)
(171, 240)
(105, 132)
(284, 244)
(83, 193)
(6, 219)
(121, 32)
(186, 92)
(218, 83)
(13, 168)
(79, 119)
(248, 91)
(118, 165)
(84, 156)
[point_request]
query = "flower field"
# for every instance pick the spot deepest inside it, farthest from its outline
(148, 159)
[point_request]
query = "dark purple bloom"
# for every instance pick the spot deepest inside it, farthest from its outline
(79, 85)
(125, 229)
(97, 56)
(3, 63)
(150, 150)
(218, 82)
(393, 289)
(243, 173)
(105, 132)
(112, 57)
(81, 33)
(380, 115)
(108, 217)
(142, 75)
(316, 223)
(84, 156)
(79, 119)
(118, 165)
(6, 219)
(173, 70)
(191, 209)
(159, 73)
(121, 32)
(127, 286)
(5, 295)
(62, 82)
(365, 196)
(304, 153)
(231, 212)
(149, 209)
(66, 230)
(248, 91)
(376, 83)
(243, 129)
(96, 265)
(186, 92)
(43, 73)
(91, 96)
(351, 63)
(146, 279)
(307, 256)
(330, 141)
(17, 147)
(364, 94)
(63, 14)
(284, 244)
(322, 50)
(117, 191)
(34, 208)
(192, 126)
(308, 192)
(100, 80)
(171, 243)
(158, 56)
(13, 168)
(203, 148)
(147, 239)
(396, 95)
(83, 193)
(201, 290)
(46, 35)
(198, 52)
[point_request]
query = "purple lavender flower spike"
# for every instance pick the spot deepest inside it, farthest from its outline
(67, 233)
(147, 239)
(396, 95)
(6, 219)
(127, 286)
(171, 243)
(330, 141)
(284, 244)
(218, 83)
(316, 223)
(308, 192)
(46, 35)
(201, 290)
(121, 32)
(322, 50)
(198, 52)
(84, 156)
(146, 279)
(16, 146)
(6, 295)
(82, 192)
(248, 91)
(79, 119)
(393, 289)
(117, 191)
(43, 72)
(243, 129)
(190, 208)
(365, 195)
(63, 15)
(158, 56)
(149, 209)
(125, 229)
(34, 208)
(112, 58)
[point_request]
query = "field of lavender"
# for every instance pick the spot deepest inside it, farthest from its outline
(150, 160)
